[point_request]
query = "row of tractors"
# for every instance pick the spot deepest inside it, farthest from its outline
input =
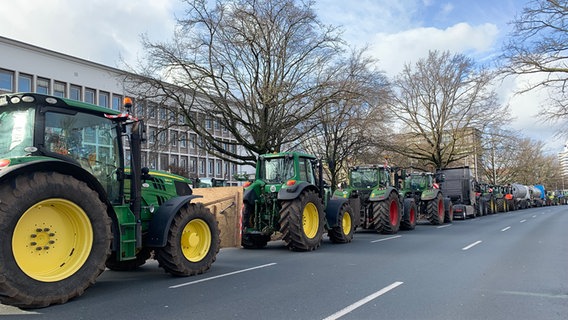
(75, 200)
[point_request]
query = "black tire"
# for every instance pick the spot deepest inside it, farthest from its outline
(449, 212)
(301, 229)
(182, 259)
(248, 240)
(343, 233)
(435, 210)
(500, 205)
(409, 217)
(388, 214)
(113, 264)
(52, 212)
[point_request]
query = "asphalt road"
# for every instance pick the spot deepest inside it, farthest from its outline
(504, 266)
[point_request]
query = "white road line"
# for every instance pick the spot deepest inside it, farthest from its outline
(221, 275)
(385, 239)
(522, 221)
(361, 302)
(471, 245)
(534, 216)
(444, 226)
(505, 229)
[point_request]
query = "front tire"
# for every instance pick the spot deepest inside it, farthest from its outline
(55, 238)
(193, 242)
(343, 233)
(435, 209)
(302, 222)
(388, 213)
(408, 221)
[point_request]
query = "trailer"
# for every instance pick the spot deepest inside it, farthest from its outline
(460, 186)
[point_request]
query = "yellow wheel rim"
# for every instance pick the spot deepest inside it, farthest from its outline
(310, 220)
(346, 223)
(52, 240)
(196, 240)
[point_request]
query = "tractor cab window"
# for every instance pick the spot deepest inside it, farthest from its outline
(16, 132)
(306, 170)
(364, 178)
(277, 170)
(88, 140)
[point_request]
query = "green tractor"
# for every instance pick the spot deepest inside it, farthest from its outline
(424, 189)
(372, 194)
(487, 203)
(288, 196)
(70, 206)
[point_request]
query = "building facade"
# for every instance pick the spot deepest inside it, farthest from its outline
(28, 68)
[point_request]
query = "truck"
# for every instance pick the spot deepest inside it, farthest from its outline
(372, 193)
(430, 201)
(521, 195)
(74, 199)
(460, 187)
(288, 199)
(539, 195)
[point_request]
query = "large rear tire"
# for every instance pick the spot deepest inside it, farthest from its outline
(388, 213)
(343, 233)
(302, 222)
(55, 238)
(408, 221)
(435, 210)
(193, 242)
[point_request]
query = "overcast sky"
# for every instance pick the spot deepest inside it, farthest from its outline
(397, 32)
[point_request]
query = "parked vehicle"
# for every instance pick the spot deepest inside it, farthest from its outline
(69, 206)
(372, 193)
(424, 188)
(288, 196)
(460, 187)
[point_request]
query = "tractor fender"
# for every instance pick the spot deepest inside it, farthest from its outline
(332, 212)
(430, 194)
(293, 192)
(162, 219)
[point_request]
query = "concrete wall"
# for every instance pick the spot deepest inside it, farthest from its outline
(225, 203)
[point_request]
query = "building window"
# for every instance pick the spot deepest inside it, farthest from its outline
(183, 140)
(59, 89)
(24, 83)
(183, 163)
(162, 137)
(211, 167)
(140, 110)
(42, 86)
(193, 165)
(163, 113)
(192, 138)
(6, 80)
(174, 138)
(217, 125)
(116, 101)
(152, 135)
(219, 168)
(202, 166)
(152, 111)
(208, 125)
(104, 99)
(90, 95)
(75, 92)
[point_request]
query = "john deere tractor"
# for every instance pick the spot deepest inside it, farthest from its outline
(74, 200)
(371, 193)
(288, 196)
(424, 189)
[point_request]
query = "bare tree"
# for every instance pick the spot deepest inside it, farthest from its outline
(441, 103)
(501, 154)
(348, 126)
(259, 68)
(535, 167)
(537, 46)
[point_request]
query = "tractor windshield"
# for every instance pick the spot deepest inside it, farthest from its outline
(365, 178)
(277, 170)
(417, 182)
(16, 132)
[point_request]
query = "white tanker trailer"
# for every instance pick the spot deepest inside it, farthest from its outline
(521, 195)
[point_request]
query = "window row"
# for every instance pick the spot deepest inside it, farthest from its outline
(11, 81)
(173, 138)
